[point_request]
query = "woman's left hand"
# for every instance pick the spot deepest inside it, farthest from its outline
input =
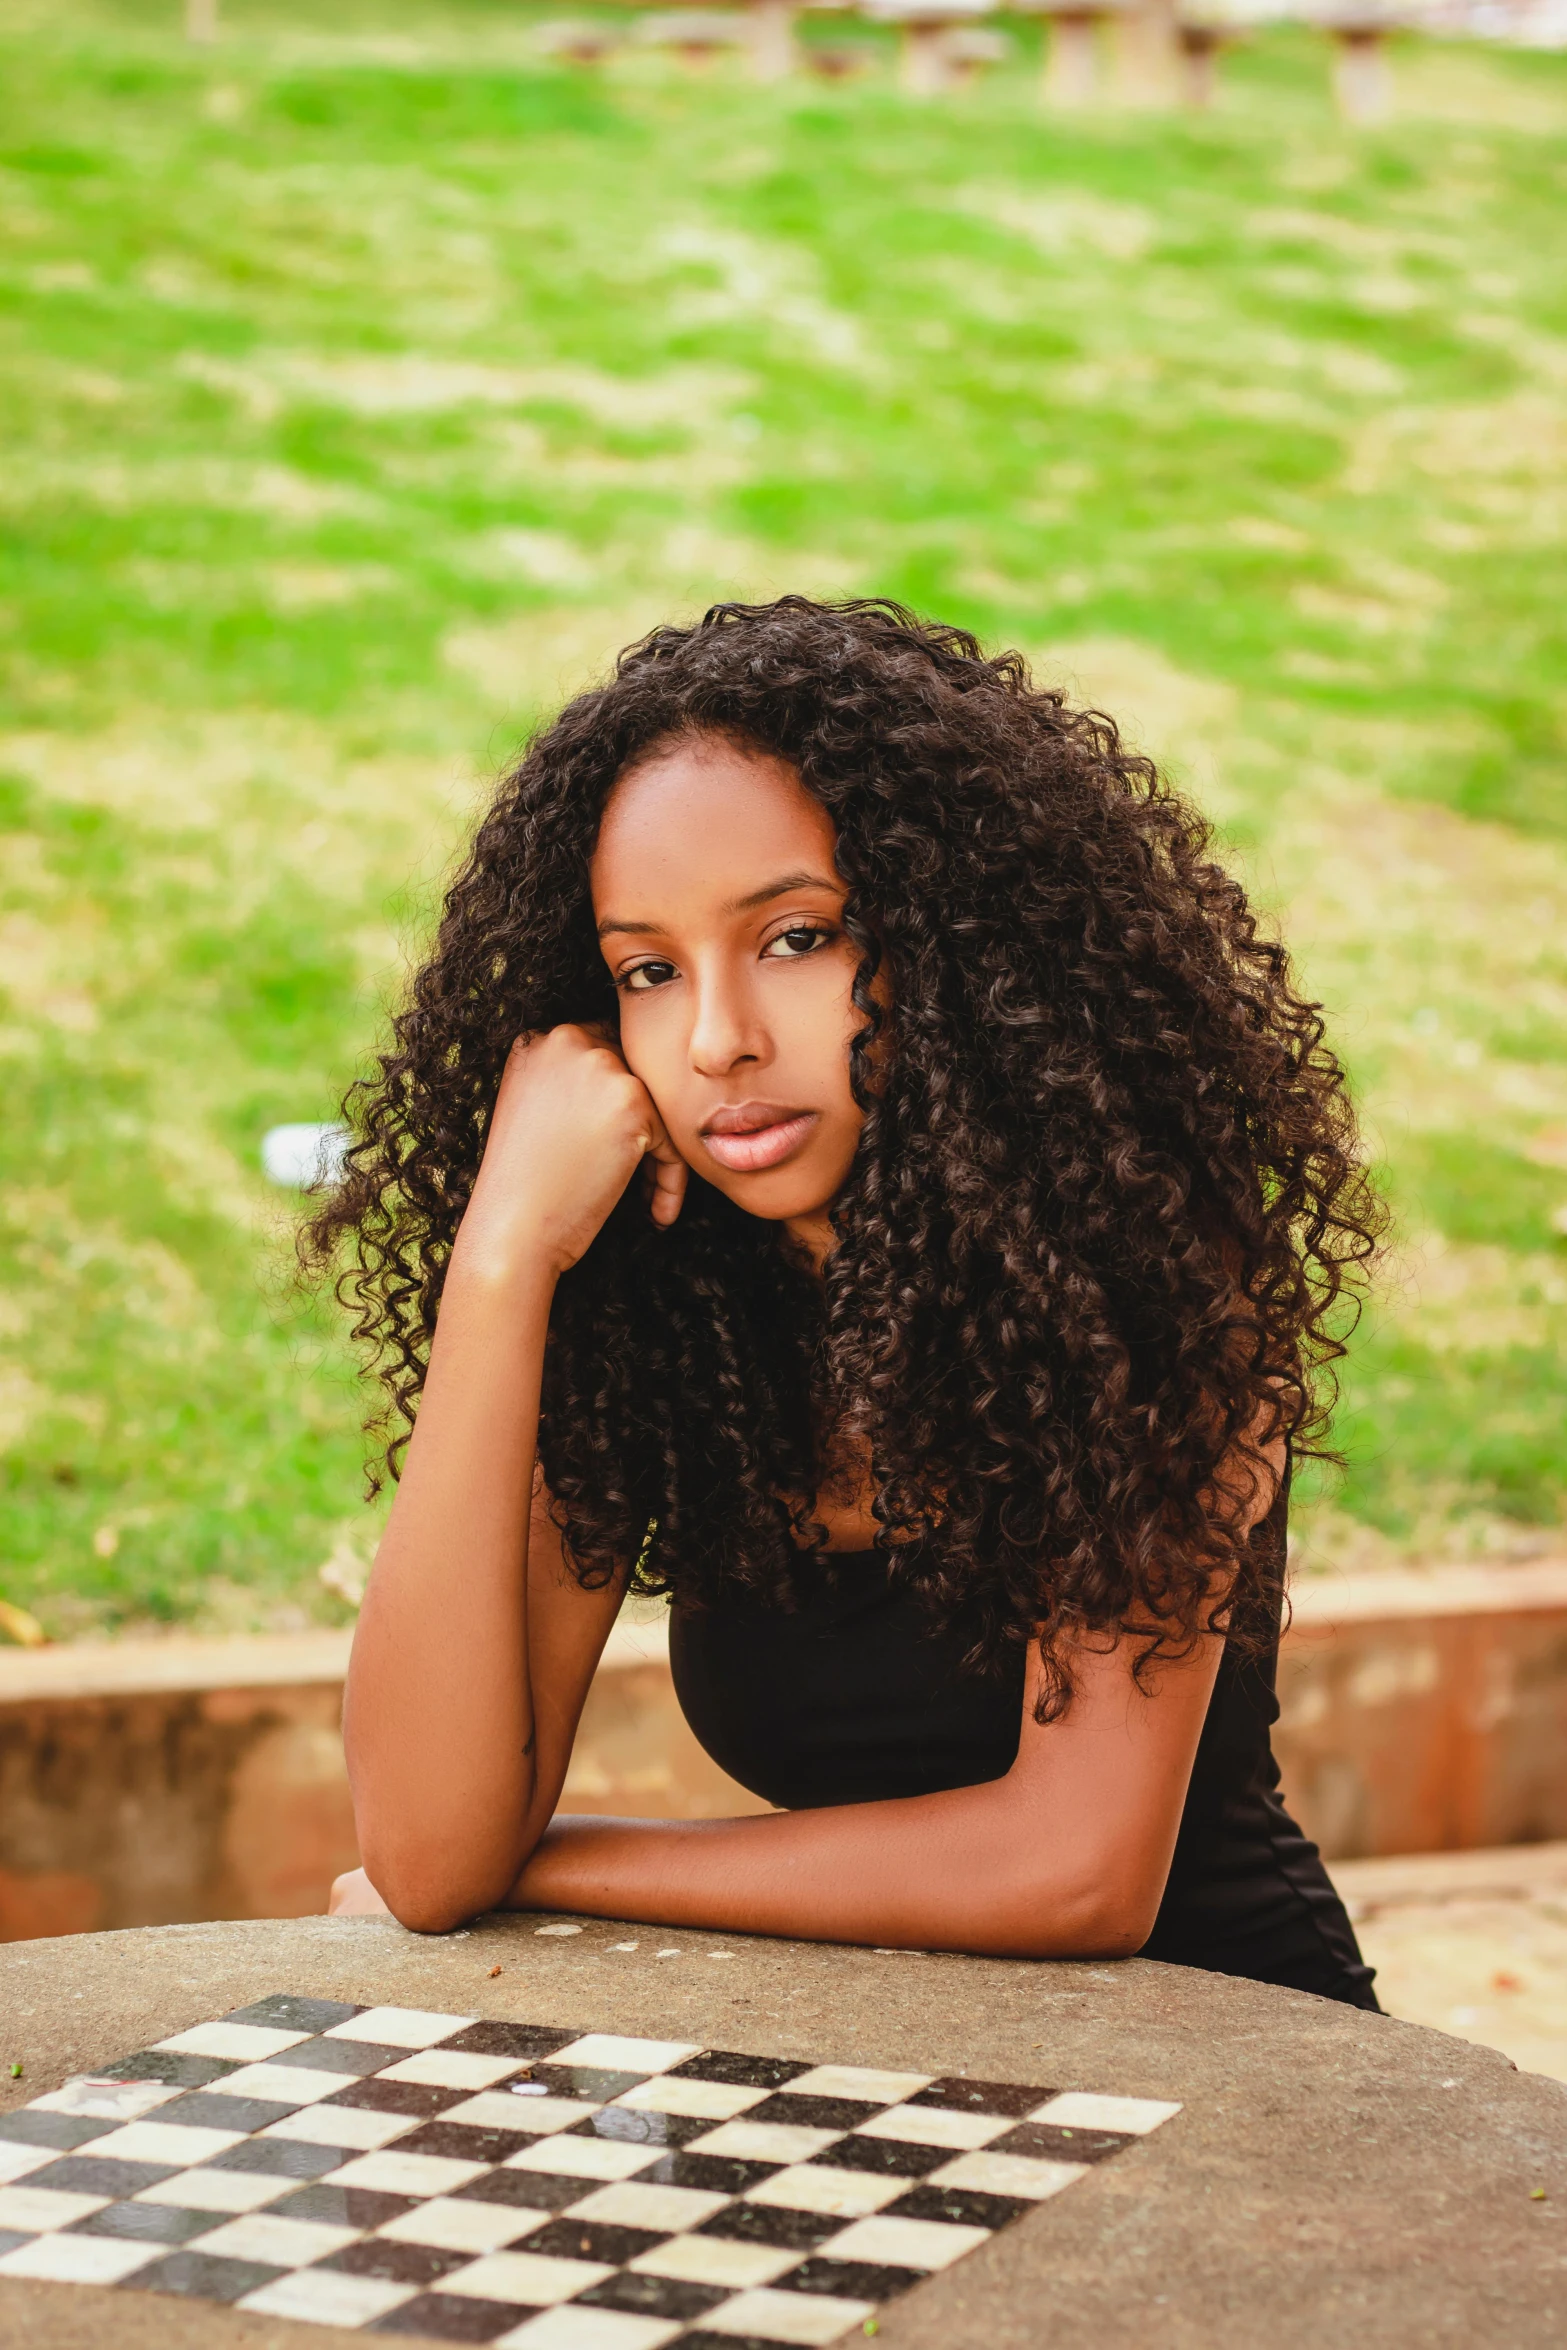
(353, 1896)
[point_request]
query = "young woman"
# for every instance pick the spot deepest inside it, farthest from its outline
(850, 1162)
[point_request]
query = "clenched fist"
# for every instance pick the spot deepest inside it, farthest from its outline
(570, 1129)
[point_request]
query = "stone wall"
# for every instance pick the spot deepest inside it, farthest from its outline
(160, 1781)
(169, 1780)
(1427, 1712)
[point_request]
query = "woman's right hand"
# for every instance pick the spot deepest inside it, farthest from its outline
(571, 1127)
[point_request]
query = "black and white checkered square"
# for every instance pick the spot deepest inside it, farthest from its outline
(468, 2181)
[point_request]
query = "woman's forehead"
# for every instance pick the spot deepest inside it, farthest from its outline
(708, 818)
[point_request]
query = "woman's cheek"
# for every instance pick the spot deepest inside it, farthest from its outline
(638, 1049)
(650, 1057)
(827, 1025)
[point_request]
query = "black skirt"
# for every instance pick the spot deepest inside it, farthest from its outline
(852, 1697)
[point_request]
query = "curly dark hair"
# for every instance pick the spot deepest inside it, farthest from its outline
(1107, 1214)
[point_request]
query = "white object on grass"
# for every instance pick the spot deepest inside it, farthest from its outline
(299, 1157)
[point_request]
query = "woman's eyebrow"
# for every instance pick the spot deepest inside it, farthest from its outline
(612, 927)
(779, 889)
(609, 929)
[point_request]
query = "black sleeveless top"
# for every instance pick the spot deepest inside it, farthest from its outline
(854, 1698)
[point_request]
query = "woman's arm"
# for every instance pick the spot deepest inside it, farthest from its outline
(1065, 1857)
(475, 1648)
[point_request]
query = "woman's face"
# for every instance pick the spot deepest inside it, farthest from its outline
(719, 911)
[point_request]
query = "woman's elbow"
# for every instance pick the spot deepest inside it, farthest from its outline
(431, 1889)
(431, 1909)
(1109, 1914)
(355, 1895)
(1116, 1928)
(425, 1901)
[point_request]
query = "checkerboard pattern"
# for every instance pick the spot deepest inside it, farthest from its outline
(464, 2181)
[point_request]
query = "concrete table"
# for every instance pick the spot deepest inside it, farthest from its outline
(1362, 74)
(697, 34)
(1332, 2177)
(1071, 72)
(1201, 39)
(580, 40)
(773, 54)
(925, 70)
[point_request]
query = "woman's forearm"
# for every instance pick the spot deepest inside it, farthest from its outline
(438, 1723)
(973, 1869)
(456, 1751)
(1066, 1856)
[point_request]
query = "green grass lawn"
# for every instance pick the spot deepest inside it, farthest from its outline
(364, 390)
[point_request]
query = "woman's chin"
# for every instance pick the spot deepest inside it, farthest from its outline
(779, 1195)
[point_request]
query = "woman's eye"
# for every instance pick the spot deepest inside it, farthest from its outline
(642, 976)
(802, 939)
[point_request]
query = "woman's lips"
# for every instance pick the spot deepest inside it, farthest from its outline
(764, 1139)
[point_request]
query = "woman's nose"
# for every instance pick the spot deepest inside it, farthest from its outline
(725, 1033)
